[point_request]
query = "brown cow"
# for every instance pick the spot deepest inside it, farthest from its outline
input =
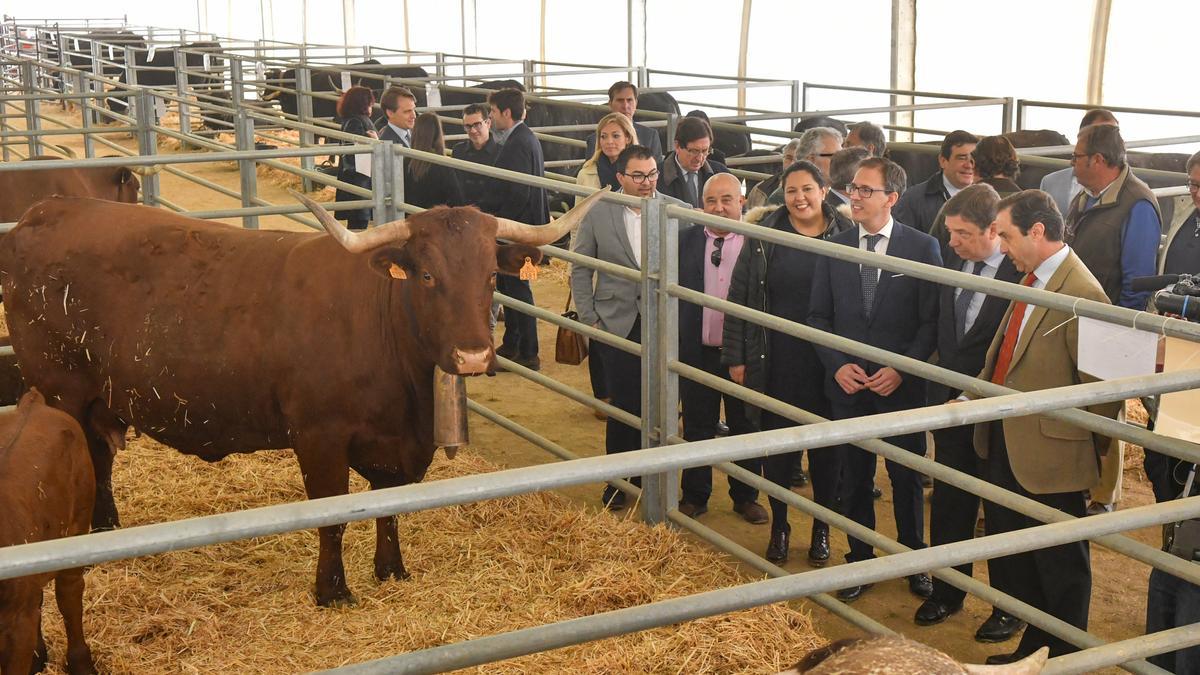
(46, 492)
(216, 340)
(888, 655)
(21, 189)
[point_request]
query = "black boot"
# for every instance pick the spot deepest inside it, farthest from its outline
(777, 548)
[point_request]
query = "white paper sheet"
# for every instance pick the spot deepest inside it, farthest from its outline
(1109, 351)
(1179, 413)
(433, 95)
(362, 164)
(345, 81)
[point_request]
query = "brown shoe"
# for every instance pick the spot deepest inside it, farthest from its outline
(752, 512)
(692, 510)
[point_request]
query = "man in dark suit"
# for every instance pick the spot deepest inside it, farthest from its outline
(706, 260)
(623, 98)
(523, 203)
(967, 321)
(1045, 459)
(400, 114)
(687, 169)
(919, 205)
(890, 311)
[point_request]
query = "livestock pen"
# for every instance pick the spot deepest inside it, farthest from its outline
(661, 370)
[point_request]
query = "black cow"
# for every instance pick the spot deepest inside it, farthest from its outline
(329, 81)
(79, 49)
(165, 58)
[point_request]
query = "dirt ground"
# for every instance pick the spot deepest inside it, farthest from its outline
(1119, 584)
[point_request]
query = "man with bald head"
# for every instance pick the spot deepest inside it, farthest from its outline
(707, 256)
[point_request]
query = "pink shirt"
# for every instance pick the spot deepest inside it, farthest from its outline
(716, 282)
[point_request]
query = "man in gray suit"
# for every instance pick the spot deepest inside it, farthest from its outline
(1062, 184)
(613, 233)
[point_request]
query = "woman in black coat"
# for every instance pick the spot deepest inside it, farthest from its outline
(354, 110)
(427, 184)
(778, 280)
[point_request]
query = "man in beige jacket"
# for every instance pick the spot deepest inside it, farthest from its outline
(1035, 456)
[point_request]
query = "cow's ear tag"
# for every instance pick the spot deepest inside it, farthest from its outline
(397, 272)
(528, 271)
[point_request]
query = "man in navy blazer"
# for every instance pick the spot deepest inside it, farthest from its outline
(707, 257)
(891, 311)
(521, 152)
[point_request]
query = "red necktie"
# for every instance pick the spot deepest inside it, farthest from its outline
(1004, 359)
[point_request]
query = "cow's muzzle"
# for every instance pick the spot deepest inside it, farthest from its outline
(473, 362)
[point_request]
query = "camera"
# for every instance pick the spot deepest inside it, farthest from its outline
(1179, 294)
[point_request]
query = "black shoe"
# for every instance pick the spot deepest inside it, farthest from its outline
(853, 593)
(692, 510)
(507, 352)
(920, 585)
(777, 548)
(1000, 626)
(1003, 659)
(613, 499)
(876, 493)
(818, 548)
(931, 612)
(722, 428)
(800, 478)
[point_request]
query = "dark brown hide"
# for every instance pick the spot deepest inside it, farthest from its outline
(21, 189)
(216, 340)
(46, 492)
(11, 384)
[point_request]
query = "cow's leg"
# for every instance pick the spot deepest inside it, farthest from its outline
(19, 621)
(389, 563)
(41, 654)
(104, 514)
(68, 593)
(327, 474)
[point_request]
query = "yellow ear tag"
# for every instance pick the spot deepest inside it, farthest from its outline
(528, 271)
(397, 272)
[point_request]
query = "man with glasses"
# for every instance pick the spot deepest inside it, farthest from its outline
(817, 145)
(1114, 226)
(891, 311)
(1061, 185)
(707, 256)
(687, 169)
(919, 205)
(623, 98)
(612, 232)
(479, 148)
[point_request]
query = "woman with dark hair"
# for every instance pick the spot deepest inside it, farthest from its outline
(778, 279)
(427, 184)
(354, 110)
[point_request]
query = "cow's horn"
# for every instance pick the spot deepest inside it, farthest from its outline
(339, 90)
(271, 96)
(536, 235)
(146, 170)
(396, 232)
(65, 151)
(1030, 665)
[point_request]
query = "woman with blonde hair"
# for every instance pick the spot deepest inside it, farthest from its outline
(614, 133)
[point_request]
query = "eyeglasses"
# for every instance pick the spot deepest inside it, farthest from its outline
(1193, 186)
(705, 152)
(1076, 156)
(715, 258)
(640, 178)
(477, 126)
(865, 191)
(826, 154)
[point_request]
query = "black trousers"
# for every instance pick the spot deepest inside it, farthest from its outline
(824, 471)
(596, 369)
(953, 511)
(908, 499)
(520, 329)
(1056, 580)
(701, 412)
(623, 372)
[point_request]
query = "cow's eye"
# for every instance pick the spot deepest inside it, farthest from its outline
(427, 277)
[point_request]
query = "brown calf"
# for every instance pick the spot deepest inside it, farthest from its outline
(46, 491)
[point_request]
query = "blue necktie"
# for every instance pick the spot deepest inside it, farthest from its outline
(962, 302)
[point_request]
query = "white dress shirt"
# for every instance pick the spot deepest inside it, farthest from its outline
(881, 246)
(404, 134)
(1043, 273)
(991, 265)
(633, 229)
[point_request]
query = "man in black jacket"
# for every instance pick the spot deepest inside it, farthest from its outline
(479, 148)
(967, 322)
(919, 205)
(890, 311)
(523, 203)
(687, 169)
(623, 98)
(706, 260)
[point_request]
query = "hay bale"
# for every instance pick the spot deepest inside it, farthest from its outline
(477, 569)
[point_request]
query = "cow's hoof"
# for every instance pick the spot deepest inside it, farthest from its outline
(397, 572)
(39, 660)
(338, 600)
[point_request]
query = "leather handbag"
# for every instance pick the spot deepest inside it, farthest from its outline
(570, 347)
